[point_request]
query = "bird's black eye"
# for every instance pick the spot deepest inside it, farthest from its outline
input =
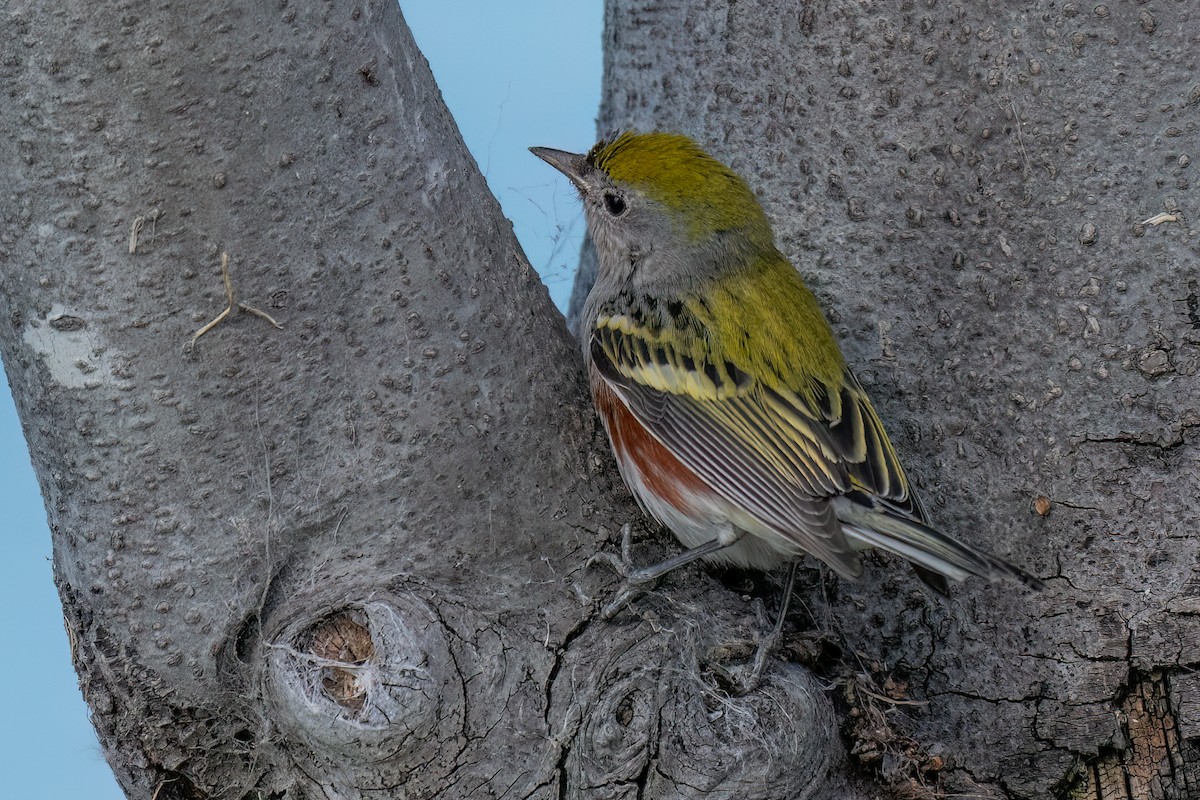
(614, 203)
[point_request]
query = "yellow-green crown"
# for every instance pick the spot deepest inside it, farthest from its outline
(672, 169)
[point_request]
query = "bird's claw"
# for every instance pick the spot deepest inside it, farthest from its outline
(623, 565)
(618, 564)
(625, 596)
(635, 579)
(743, 684)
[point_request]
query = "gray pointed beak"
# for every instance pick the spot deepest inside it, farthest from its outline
(573, 165)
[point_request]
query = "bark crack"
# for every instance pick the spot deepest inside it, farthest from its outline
(564, 741)
(1150, 761)
(1177, 440)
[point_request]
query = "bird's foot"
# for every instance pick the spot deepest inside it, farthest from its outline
(766, 644)
(623, 564)
(635, 579)
(744, 678)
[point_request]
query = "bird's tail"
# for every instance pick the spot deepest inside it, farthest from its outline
(926, 547)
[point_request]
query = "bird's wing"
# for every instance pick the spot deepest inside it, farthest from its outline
(801, 451)
(862, 445)
(779, 453)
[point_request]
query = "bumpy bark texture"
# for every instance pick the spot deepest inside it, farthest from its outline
(996, 205)
(346, 557)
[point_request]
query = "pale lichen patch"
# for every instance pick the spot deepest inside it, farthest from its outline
(67, 348)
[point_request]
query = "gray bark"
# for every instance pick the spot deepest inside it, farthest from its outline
(349, 555)
(996, 205)
(346, 557)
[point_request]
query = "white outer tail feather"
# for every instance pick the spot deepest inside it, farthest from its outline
(921, 544)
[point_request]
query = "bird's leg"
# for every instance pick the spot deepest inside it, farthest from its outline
(637, 578)
(766, 645)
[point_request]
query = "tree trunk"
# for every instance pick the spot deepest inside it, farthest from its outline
(336, 544)
(348, 555)
(995, 205)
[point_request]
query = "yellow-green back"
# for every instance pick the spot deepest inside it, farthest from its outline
(763, 319)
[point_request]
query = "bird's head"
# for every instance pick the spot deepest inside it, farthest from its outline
(658, 199)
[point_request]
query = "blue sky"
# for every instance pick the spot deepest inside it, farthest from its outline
(513, 75)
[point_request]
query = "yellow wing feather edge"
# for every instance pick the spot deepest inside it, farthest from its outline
(824, 440)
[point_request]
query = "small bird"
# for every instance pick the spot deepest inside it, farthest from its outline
(734, 418)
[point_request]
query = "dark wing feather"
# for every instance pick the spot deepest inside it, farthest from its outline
(713, 418)
(872, 462)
